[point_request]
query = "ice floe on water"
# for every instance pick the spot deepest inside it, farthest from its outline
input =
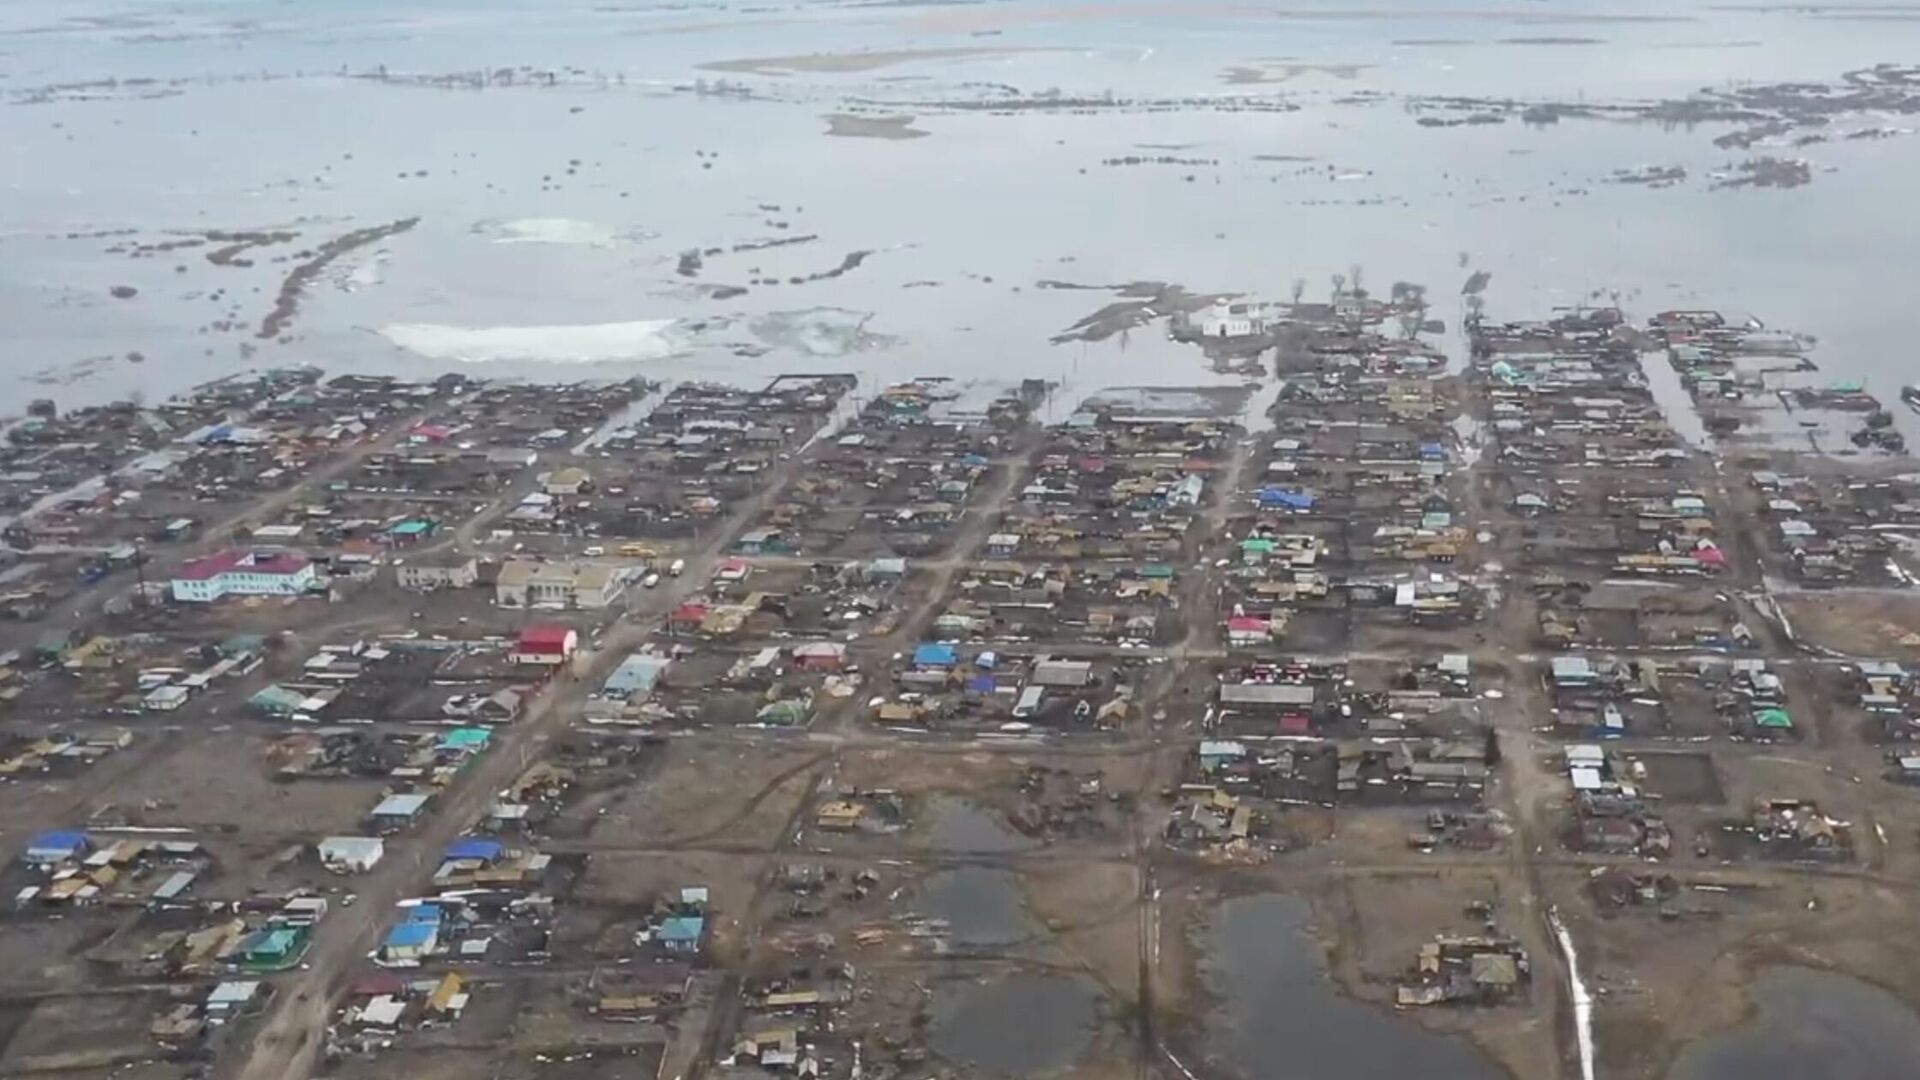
(644, 339)
(814, 333)
(821, 331)
(551, 230)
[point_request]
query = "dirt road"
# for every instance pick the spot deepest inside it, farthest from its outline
(293, 1032)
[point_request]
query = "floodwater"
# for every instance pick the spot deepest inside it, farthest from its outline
(1282, 1017)
(981, 907)
(1020, 1025)
(565, 159)
(965, 828)
(1663, 382)
(1812, 1025)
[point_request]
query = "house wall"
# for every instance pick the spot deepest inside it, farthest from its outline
(438, 577)
(243, 582)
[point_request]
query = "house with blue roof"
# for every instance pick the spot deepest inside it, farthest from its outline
(276, 948)
(466, 740)
(56, 847)
(474, 848)
(409, 942)
(681, 933)
(934, 655)
(637, 674)
(1284, 499)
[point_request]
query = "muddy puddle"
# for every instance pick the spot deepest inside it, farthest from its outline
(980, 906)
(964, 828)
(1021, 1025)
(1281, 1016)
(1813, 1025)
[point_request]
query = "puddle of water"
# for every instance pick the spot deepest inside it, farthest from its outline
(981, 906)
(1017, 1026)
(961, 826)
(1813, 1025)
(1282, 1017)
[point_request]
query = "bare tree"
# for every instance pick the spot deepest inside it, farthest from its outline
(1299, 290)
(1339, 285)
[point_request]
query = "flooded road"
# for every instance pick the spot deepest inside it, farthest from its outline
(1282, 1017)
(606, 189)
(1812, 1025)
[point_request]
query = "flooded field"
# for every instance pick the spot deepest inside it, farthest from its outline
(1811, 1024)
(709, 191)
(981, 907)
(1019, 1025)
(1282, 1016)
(964, 828)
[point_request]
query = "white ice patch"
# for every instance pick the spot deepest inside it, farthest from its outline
(649, 339)
(548, 231)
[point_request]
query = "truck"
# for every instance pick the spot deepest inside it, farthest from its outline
(678, 566)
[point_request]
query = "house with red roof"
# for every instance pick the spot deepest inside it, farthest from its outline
(241, 572)
(546, 643)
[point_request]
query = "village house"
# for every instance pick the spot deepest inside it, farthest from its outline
(350, 854)
(244, 573)
(567, 481)
(546, 643)
(524, 583)
(442, 571)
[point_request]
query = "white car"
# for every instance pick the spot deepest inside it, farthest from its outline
(594, 551)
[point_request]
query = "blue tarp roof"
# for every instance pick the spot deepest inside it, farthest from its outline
(424, 913)
(411, 934)
(58, 840)
(474, 847)
(933, 655)
(1295, 500)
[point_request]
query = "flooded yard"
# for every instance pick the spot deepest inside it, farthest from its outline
(1815, 1025)
(1281, 1016)
(981, 907)
(1020, 1025)
(964, 828)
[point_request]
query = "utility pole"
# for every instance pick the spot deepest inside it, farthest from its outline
(140, 571)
